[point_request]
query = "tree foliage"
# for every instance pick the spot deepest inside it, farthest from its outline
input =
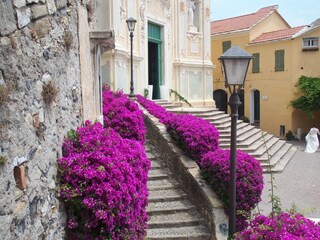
(309, 102)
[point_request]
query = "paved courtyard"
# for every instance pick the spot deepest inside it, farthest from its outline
(298, 184)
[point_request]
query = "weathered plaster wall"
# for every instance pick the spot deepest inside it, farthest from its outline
(38, 46)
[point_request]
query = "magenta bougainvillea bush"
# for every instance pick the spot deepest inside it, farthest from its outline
(194, 135)
(199, 139)
(154, 109)
(104, 184)
(284, 226)
(215, 168)
(123, 115)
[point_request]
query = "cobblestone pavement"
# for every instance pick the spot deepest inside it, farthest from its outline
(298, 184)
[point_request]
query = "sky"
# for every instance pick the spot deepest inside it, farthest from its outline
(295, 12)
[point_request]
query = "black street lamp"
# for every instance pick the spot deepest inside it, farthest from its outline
(235, 63)
(131, 22)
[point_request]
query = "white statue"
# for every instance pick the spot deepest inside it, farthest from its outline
(191, 8)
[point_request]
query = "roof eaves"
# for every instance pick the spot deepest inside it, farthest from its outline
(304, 31)
(267, 15)
(271, 11)
(261, 19)
(233, 18)
(271, 40)
(230, 32)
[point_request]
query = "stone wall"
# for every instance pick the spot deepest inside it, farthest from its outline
(40, 100)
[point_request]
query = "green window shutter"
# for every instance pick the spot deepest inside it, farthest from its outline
(279, 60)
(256, 63)
(226, 45)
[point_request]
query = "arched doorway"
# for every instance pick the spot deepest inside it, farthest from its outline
(221, 99)
(255, 107)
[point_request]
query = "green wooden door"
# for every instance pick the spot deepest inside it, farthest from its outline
(155, 58)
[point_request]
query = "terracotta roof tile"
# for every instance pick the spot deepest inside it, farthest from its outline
(277, 35)
(241, 22)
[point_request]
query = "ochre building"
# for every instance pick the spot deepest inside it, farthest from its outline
(282, 54)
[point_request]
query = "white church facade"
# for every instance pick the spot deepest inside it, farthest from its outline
(171, 47)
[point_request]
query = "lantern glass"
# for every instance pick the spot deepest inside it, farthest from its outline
(235, 70)
(131, 22)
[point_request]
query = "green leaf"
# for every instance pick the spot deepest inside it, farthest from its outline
(309, 101)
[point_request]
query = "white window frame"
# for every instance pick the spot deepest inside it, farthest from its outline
(310, 43)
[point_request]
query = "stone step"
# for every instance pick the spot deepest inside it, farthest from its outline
(166, 104)
(272, 151)
(159, 101)
(255, 142)
(244, 141)
(192, 110)
(256, 135)
(156, 208)
(226, 126)
(163, 102)
(171, 214)
(246, 132)
(221, 124)
(155, 165)
(172, 106)
(282, 162)
(162, 184)
(265, 146)
(152, 156)
(172, 194)
(147, 148)
(243, 134)
(157, 174)
(276, 156)
(210, 114)
(216, 118)
(177, 219)
(226, 132)
(198, 232)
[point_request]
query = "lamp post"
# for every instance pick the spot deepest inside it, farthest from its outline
(235, 63)
(131, 22)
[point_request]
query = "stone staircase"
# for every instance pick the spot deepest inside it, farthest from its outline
(171, 215)
(272, 152)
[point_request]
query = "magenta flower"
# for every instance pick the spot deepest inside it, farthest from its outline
(104, 184)
(123, 115)
(284, 226)
(194, 135)
(215, 168)
(199, 139)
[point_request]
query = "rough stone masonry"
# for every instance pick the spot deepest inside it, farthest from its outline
(40, 100)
